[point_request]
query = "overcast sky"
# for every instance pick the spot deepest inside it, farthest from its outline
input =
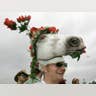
(14, 55)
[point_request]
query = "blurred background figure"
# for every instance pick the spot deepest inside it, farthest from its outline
(84, 81)
(92, 82)
(21, 77)
(75, 81)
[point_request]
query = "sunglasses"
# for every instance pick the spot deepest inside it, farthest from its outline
(61, 64)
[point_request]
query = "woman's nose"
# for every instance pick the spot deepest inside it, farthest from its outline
(63, 68)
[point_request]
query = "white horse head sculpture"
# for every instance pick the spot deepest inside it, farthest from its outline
(55, 46)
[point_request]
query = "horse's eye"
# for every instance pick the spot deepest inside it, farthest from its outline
(74, 42)
(42, 37)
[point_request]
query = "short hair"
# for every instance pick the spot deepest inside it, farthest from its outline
(75, 81)
(18, 74)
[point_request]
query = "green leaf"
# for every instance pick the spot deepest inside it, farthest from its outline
(76, 55)
(22, 28)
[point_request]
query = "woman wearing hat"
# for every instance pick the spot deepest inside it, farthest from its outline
(53, 70)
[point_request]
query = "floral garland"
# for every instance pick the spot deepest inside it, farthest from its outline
(34, 34)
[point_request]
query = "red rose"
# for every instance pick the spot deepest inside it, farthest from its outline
(52, 29)
(10, 24)
(41, 28)
(21, 19)
(28, 17)
(18, 19)
(30, 47)
(33, 29)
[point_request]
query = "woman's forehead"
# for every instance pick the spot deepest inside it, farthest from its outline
(57, 62)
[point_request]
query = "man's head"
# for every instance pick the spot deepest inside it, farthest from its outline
(53, 69)
(75, 81)
(21, 77)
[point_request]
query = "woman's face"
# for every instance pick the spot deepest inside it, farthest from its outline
(55, 71)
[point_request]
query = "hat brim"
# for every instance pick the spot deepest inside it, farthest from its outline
(51, 61)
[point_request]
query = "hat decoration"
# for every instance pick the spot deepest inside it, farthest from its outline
(34, 34)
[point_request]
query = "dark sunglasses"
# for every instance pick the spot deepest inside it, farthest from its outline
(61, 64)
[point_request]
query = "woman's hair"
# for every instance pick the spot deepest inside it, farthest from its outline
(75, 81)
(37, 71)
(63, 81)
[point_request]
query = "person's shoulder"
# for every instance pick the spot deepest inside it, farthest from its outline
(29, 81)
